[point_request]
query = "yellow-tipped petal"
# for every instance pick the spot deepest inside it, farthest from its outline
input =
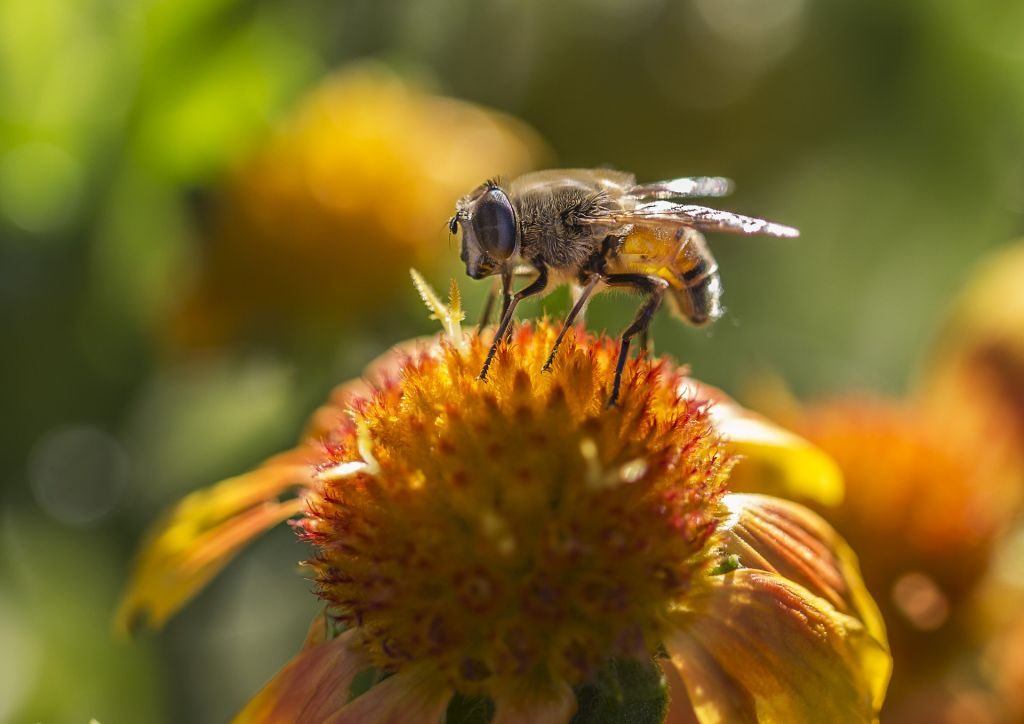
(761, 648)
(404, 698)
(558, 707)
(773, 460)
(201, 534)
(781, 537)
(311, 687)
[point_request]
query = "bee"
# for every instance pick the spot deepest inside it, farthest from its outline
(595, 229)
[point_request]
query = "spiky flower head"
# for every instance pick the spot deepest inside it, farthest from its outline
(515, 540)
(517, 531)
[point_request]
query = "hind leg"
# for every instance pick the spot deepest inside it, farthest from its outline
(654, 288)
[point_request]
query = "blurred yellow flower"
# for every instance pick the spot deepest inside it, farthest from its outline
(514, 538)
(355, 187)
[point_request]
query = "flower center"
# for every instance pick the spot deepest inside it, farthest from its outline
(514, 532)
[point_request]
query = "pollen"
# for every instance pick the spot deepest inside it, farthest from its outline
(513, 532)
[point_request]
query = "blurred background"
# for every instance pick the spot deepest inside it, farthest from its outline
(208, 209)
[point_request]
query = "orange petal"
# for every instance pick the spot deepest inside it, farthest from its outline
(781, 537)
(680, 710)
(557, 707)
(406, 698)
(773, 460)
(760, 648)
(311, 687)
(202, 533)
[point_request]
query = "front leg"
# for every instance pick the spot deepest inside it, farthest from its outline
(536, 287)
(506, 296)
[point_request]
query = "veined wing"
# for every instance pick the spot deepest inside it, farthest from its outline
(664, 213)
(682, 188)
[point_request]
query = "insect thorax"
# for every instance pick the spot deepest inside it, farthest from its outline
(551, 226)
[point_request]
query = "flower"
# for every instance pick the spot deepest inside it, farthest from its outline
(328, 212)
(513, 539)
(977, 368)
(924, 508)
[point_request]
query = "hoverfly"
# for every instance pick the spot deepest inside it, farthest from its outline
(595, 229)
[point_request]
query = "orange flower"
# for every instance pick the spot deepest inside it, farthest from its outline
(924, 506)
(514, 540)
(977, 369)
(353, 188)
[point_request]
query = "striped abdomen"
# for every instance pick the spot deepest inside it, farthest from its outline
(698, 299)
(680, 256)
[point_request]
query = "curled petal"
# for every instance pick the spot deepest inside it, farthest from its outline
(202, 533)
(405, 698)
(759, 648)
(558, 707)
(773, 460)
(781, 537)
(311, 687)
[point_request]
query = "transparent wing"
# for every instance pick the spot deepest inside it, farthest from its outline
(657, 213)
(682, 188)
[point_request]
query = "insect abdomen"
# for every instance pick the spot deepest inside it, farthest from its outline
(681, 257)
(700, 303)
(698, 296)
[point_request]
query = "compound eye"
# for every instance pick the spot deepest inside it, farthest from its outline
(453, 225)
(494, 223)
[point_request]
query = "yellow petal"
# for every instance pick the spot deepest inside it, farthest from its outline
(680, 710)
(558, 707)
(405, 698)
(201, 534)
(773, 460)
(311, 687)
(757, 647)
(781, 537)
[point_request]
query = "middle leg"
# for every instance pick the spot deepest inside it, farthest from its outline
(571, 317)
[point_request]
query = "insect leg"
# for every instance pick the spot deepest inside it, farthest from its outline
(576, 308)
(506, 296)
(536, 287)
(485, 315)
(655, 288)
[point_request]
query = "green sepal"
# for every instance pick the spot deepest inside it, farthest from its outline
(364, 681)
(727, 564)
(625, 691)
(469, 710)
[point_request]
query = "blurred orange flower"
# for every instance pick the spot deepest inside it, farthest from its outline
(355, 187)
(923, 509)
(933, 483)
(977, 368)
(511, 539)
